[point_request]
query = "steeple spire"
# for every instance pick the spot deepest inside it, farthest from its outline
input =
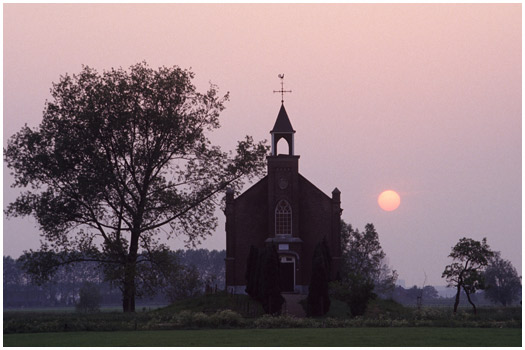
(282, 124)
(282, 91)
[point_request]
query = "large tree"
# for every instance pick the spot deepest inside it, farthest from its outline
(120, 157)
(503, 284)
(470, 258)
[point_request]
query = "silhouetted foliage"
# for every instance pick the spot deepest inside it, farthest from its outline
(11, 273)
(364, 273)
(89, 298)
(318, 293)
(185, 282)
(363, 256)
(118, 156)
(356, 290)
(269, 281)
(361, 292)
(503, 284)
(251, 272)
(466, 272)
(209, 264)
(263, 282)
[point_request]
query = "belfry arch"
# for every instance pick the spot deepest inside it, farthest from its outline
(283, 146)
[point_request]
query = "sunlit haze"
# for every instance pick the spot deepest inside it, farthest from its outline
(423, 99)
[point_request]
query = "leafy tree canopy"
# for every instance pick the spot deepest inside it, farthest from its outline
(363, 256)
(503, 284)
(470, 258)
(365, 274)
(120, 157)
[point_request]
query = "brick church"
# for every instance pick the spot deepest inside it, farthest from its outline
(286, 210)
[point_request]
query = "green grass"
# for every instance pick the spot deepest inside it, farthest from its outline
(344, 337)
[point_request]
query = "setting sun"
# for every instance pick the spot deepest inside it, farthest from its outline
(389, 200)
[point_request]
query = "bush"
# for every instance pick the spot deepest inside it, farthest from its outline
(33, 322)
(227, 318)
(356, 291)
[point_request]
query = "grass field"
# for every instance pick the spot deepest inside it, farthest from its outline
(345, 337)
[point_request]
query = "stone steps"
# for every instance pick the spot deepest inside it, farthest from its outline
(292, 306)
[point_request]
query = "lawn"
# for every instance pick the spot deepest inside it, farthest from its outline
(345, 337)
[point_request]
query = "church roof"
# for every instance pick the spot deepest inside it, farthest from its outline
(282, 124)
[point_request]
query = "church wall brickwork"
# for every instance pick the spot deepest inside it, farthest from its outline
(316, 209)
(250, 226)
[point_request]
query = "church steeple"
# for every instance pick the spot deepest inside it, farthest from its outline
(282, 129)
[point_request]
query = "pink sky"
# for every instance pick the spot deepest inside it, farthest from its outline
(422, 99)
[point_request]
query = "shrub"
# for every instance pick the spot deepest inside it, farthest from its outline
(227, 318)
(356, 291)
(200, 319)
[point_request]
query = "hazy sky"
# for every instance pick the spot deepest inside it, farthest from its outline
(421, 99)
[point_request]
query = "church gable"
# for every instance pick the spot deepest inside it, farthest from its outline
(256, 189)
(251, 219)
(315, 208)
(312, 189)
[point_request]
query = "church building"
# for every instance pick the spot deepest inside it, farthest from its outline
(286, 210)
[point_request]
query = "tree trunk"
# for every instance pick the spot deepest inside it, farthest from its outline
(128, 293)
(457, 298)
(130, 271)
(470, 301)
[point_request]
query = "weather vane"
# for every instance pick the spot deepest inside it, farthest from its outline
(282, 91)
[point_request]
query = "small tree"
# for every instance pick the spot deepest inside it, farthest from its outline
(503, 285)
(262, 278)
(365, 273)
(318, 299)
(364, 256)
(251, 272)
(470, 260)
(269, 290)
(89, 298)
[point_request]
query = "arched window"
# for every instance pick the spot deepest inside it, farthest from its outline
(283, 218)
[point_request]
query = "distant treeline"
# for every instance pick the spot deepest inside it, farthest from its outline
(429, 296)
(202, 270)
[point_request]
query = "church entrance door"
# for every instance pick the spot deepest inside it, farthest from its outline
(287, 272)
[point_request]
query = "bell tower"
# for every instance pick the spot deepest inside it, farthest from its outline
(283, 182)
(284, 206)
(282, 130)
